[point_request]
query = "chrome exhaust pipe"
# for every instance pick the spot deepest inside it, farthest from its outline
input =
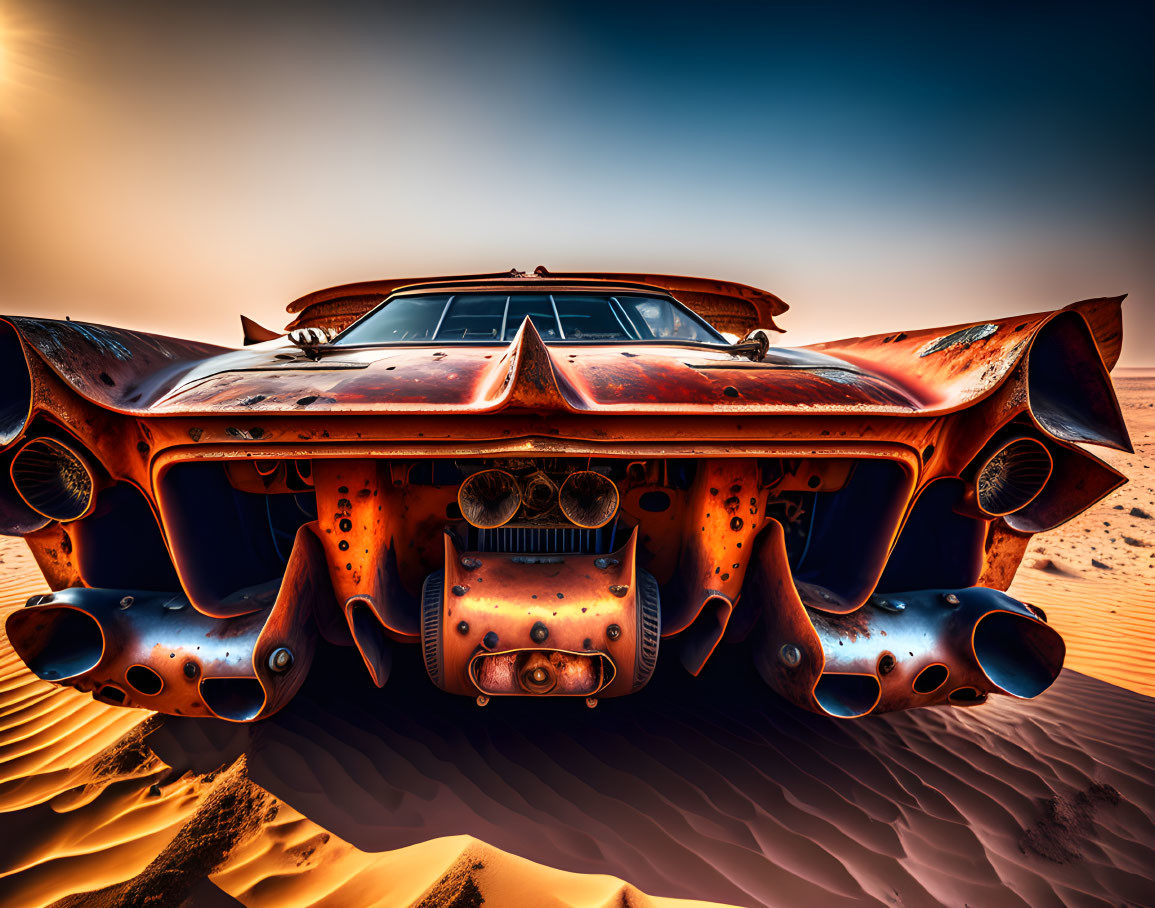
(156, 651)
(930, 647)
(899, 650)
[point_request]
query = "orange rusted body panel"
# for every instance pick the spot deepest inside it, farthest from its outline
(580, 607)
(782, 496)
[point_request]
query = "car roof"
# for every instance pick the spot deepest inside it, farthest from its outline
(728, 306)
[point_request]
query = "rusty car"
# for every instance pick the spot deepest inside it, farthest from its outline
(548, 482)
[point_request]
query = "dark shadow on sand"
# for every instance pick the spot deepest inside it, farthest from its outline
(714, 788)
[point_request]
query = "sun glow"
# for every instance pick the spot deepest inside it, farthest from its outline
(21, 57)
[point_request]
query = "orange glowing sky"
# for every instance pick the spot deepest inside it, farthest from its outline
(166, 167)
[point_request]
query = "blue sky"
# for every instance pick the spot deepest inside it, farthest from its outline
(878, 166)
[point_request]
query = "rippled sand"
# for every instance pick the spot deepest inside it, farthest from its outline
(709, 788)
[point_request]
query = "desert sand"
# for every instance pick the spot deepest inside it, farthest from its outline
(708, 789)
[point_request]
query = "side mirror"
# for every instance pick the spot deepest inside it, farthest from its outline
(311, 340)
(756, 344)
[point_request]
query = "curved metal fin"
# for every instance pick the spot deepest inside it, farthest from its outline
(532, 382)
(256, 334)
(1068, 387)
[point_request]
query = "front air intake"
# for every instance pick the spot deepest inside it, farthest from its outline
(489, 499)
(53, 479)
(1013, 476)
(588, 499)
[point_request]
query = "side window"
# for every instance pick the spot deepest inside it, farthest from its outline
(664, 320)
(405, 319)
(590, 318)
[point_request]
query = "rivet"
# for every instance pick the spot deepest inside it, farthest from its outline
(280, 659)
(470, 563)
(190, 669)
(490, 640)
(602, 563)
(463, 627)
(459, 590)
(790, 655)
(539, 633)
(618, 590)
(613, 632)
(951, 598)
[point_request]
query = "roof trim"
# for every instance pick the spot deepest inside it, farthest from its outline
(727, 305)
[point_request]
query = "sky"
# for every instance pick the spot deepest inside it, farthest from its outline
(167, 167)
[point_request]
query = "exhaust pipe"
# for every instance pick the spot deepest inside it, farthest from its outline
(489, 499)
(54, 479)
(588, 499)
(1007, 477)
(156, 651)
(899, 650)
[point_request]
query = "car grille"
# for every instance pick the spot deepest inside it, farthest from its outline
(548, 540)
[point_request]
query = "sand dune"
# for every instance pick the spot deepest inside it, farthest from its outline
(708, 788)
(1102, 600)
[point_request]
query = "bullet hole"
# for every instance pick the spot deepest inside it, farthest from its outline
(613, 632)
(345, 525)
(343, 490)
(107, 379)
(814, 481)
(142, 446)
(343, 545)
(306, 401)
(736, 523)
(490, 640)
(730, 391)
(344, 504)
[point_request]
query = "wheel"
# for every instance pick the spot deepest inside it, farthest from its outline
(649, 627)
(432, 595)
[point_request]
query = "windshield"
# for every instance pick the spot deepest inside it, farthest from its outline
(559, 318)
